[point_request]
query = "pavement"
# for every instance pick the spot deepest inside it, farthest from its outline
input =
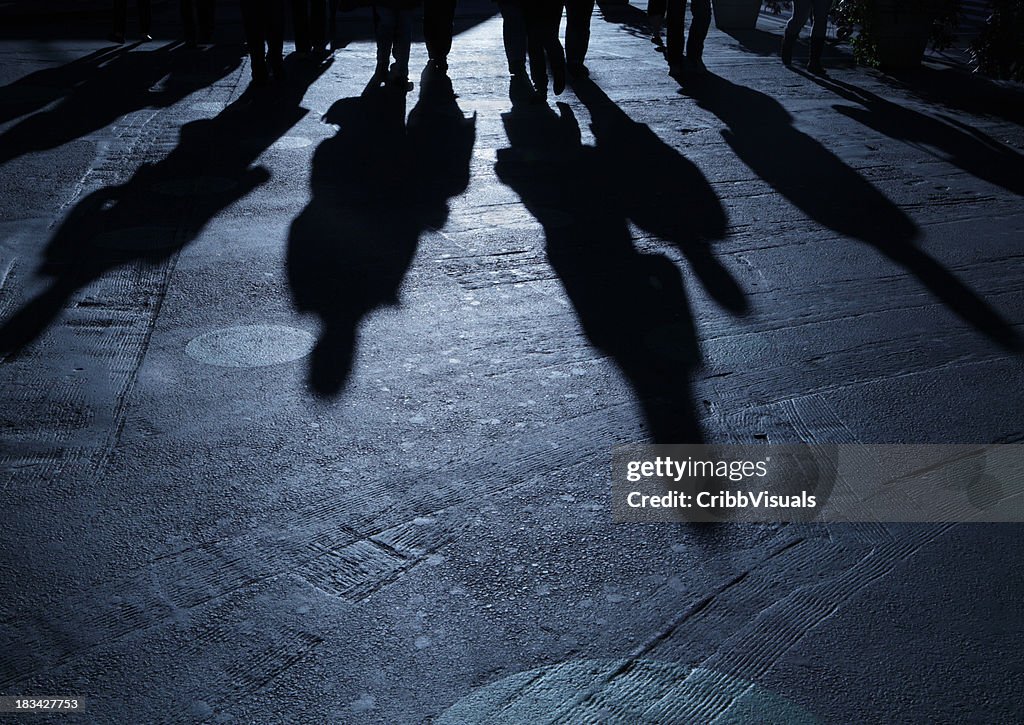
(307, 412)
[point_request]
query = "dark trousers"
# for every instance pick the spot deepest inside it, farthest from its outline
(674, 12)
(197, 19)
(513, 34)
(438, 26)
(542, 22)
(309, 18)
(802, 10)
(121, 16)
(264, 33)
(577, 29)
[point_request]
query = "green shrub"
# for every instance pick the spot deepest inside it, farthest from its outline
(998, 51)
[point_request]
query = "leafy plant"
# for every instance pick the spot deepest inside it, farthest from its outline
(998, 51)
(864, 16)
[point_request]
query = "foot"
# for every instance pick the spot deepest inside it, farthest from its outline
(695, 65)
(678, 67)
(277, 68)
(558, 79)
(401, 85)
(260, 77)
(377, 81)
(398, 79)
(815, 68)
(116, 38)
(578, 70)
(146, 38)
(656, 22)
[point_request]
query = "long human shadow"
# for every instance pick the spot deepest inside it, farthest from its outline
(163, 206)
(629, 17)
(956, 88)
(669, 197)
(119, 84)
(40, 88)
(761, 133)
(968, 148)
(631, 305)
(377, 185)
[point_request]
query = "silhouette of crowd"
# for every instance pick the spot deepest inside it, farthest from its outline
(349, 251)
(530, 30)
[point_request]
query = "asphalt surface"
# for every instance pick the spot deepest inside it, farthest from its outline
(307, 409)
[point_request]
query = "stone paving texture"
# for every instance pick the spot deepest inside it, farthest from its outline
(308, 418)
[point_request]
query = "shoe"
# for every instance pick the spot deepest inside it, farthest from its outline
(398, 79)
(260, 77)
(676, 68)
(558, 78)
(116, 38)
(695, 66)
(656, 22)
(814, 60)
(376, 82)
(146, 38)
(578, 70)
(277, 68)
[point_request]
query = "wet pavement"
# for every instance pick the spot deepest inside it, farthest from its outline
(308, 398)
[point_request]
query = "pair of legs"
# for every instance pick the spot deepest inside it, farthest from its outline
(438, 28)
(263, 21)
(578, 14)
(309, 18)
(672, 14)
(542, 22)
(531, 29)
(197, 19)
(121, 19)
(392, 26)
(802, 9)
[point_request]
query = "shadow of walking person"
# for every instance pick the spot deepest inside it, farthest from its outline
(40, 88)
(376, 186)
(670, 199)
(163, 206)
(631, 305)
(813, 179)
(120, 83)
(963, 146)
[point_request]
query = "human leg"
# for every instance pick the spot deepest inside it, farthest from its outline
(699, 26)
(821, 10)
(801, 11)
(438, 27)
(578, 14)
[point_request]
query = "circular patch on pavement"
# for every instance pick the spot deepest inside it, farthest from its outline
(623, 691)
(135, 239)
(199, 186)
(251, 346)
